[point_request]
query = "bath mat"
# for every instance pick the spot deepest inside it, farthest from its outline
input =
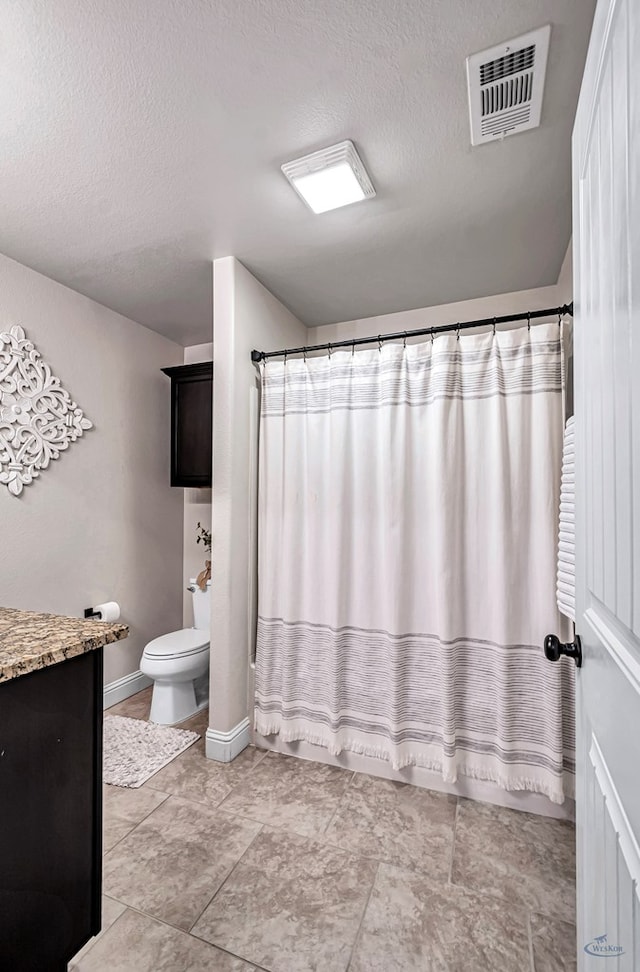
(135, 750)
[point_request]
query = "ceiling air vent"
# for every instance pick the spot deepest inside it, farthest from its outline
(505, 86)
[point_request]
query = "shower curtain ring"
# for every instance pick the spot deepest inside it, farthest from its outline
(304, 353)
(404, 343)
(494, 326)
(353, 348)
(379, 342)
(559, 317)
(285, 357)
(528, 320)
(329, 348)
(458, 331)
(432, 335)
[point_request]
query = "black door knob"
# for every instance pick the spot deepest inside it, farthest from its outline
(553, 648)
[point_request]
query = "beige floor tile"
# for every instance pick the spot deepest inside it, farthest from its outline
(415, 924)
(135, 707)
(136, 943)
(110, 911)
(290, 905)
(554, 945)
(521, 856)
(174, 861)
(123, 809)
(138, 706)
(203, 780)
(291, 793)
(196, 723)
(396, 823)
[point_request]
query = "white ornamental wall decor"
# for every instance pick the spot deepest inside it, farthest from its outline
(38, 419)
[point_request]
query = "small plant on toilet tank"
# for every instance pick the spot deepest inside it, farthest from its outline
(204, 536)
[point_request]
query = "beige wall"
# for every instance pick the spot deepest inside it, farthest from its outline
(102, 523)
(465, 310)
(245, 316)
(565, 280)
(197, 509)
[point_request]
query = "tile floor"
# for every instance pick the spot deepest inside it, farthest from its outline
(273, 863)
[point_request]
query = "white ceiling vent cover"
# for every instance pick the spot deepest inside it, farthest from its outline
(506, 85)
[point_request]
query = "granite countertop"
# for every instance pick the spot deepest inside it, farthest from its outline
(30, 641)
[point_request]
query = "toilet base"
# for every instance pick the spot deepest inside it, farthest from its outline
(173, 702)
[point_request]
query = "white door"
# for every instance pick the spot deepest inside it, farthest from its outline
(606, 188)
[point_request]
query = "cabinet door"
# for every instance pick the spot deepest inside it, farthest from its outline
(192, 431)
(50, 813)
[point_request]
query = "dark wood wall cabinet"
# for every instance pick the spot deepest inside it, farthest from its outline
(191, 423)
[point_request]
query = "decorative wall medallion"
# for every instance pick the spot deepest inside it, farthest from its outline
(38, 419)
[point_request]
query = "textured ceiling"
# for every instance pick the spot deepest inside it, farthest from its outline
(140, 140)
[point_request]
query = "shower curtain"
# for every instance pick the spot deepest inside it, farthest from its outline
(408, 510)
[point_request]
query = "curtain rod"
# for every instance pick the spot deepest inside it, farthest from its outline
(257, 356)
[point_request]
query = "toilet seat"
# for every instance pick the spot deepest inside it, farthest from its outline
(178, 644)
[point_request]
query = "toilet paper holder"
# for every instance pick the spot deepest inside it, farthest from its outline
(109, 611)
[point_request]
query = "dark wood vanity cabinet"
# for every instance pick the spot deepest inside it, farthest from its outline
(50, 814)
(191, 423)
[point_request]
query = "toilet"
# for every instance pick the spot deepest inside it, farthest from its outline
(178, 663)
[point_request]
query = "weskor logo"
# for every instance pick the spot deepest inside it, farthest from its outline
(600, 948)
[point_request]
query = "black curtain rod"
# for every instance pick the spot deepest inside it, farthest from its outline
(257, 356)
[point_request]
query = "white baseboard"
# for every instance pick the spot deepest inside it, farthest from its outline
(122, 688)
(225, 746)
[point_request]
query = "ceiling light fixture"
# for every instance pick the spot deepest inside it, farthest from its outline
(330, 178)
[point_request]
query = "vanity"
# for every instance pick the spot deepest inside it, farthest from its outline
(50, 786)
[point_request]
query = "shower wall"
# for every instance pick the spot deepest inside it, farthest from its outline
(465, 310)
(245, 316)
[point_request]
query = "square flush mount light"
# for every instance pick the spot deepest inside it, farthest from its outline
(330, 178)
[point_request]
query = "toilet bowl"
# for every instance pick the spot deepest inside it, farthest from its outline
(178, 663)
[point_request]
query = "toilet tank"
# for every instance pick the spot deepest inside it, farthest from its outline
(201, 605)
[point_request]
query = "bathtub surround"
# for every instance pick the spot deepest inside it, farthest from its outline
(246, 315)
(104, 524)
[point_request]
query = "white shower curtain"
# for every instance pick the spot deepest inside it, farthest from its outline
(408, 510)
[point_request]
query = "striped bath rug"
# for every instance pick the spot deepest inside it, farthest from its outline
(134, 750)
